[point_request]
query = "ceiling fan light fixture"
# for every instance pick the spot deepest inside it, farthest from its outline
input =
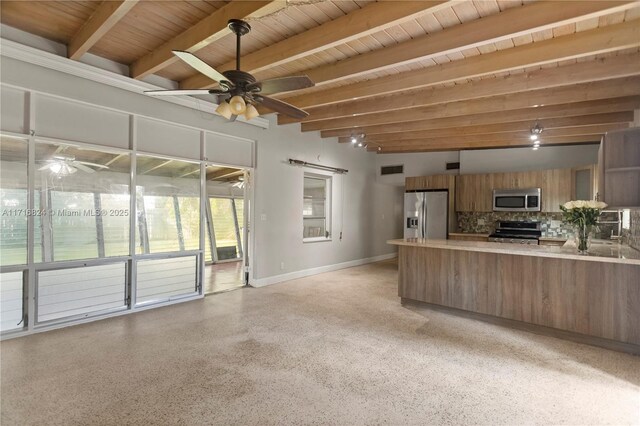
(251, 112)
(534, 137)
(353, 139)
(238, 105)
(224, 109)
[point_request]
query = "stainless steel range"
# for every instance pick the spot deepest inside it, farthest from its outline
(516, 232)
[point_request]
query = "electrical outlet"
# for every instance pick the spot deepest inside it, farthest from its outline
(282, 266)
(480, 221)
(382, 216)
(263, 217)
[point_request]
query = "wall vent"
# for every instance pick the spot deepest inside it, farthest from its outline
(453, 166)
(392, 170)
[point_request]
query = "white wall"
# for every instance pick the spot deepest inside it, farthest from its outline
(521, 159)
(278, 186)
(486, 161)
(278, 199)
(416, 164)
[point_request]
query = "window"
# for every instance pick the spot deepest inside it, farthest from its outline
(13, 199)
(83, 195)
(316, 207)
(168, 205)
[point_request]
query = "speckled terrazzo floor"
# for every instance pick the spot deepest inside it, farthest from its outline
(335, 348)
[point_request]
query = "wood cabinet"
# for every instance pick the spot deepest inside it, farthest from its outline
(430, 182)
(474, 193)
(556, 188)
(619, 168)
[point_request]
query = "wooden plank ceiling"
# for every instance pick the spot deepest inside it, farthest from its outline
(398, 76)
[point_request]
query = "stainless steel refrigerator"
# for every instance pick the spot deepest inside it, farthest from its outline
(425, 214)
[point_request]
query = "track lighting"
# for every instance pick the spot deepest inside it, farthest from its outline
(535, 133)
(238, 105)
(224, 109)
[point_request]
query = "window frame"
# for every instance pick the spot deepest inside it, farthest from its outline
(328, 205)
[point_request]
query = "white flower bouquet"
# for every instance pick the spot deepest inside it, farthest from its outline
(583, 215)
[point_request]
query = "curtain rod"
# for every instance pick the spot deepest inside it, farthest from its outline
(318, 166)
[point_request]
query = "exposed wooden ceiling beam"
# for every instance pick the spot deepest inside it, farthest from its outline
(513, 127)
(205, 32)
(585, 43)
(514, 22)
(224, 173)
(103, 19)
(446, 144)
(563, 110)
(359, 23)
(496, 137)
(628, 86)
(581, 72)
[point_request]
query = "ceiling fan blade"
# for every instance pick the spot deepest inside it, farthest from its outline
(78, 165)
(201, 66)
(86, 163)
(177, 92)
(282, 107)
(282, 84)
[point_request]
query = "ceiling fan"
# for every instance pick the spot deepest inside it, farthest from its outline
(64, 165)
(239, 91)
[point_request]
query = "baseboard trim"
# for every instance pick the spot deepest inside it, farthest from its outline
(261, 282)
(613, 345)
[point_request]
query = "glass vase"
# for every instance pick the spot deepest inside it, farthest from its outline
(583, 239)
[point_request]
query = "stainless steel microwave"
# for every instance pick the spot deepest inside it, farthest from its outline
(516, 200)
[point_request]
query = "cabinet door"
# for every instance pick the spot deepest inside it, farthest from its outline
(474, 193)
(556, 189)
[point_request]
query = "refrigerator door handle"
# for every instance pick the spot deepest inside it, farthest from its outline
(424, 217)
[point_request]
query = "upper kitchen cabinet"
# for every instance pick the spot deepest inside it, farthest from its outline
(556, 188)
(474, 193)
(619, 168)
(584, 182)
(418, 183)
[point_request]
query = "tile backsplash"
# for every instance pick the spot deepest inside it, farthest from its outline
(550, 223)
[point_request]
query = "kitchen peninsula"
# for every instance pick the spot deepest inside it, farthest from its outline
(593, 299)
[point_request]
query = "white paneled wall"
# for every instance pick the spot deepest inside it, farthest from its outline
(10, 300)
(227, 150)
(162, 279)
(168, 139)
(75, 121)
(76, 291)
(12, 104)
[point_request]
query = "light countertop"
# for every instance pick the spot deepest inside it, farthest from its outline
(598, 252)
(468, 234)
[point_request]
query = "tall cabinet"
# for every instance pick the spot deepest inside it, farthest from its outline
(619, 168)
